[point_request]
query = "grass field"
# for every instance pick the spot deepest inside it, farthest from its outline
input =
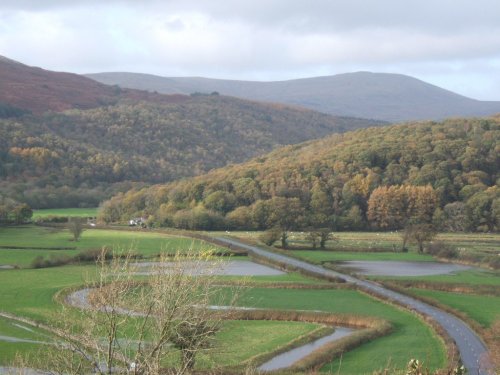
(11, 329)
(30, 292)
(66, 212)
(411, 337)
(317, 256)
(474, 276)
(486, 243)
(243, 340)
(254, 338)
(288, 278)
(36, 241)
(483, 309)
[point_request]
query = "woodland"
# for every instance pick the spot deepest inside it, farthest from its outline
(443, 174)
(78, 158)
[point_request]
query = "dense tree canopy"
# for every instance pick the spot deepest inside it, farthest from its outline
(80, 157)
(13, 212)
(372, 178)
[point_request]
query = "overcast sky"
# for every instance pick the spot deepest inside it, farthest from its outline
(454, 44)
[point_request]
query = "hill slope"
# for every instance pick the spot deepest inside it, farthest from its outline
(37, 90)
(81, 156)
(389, 97)
(334, 182)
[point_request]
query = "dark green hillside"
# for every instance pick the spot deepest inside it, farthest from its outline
(80, 157)
(444, 172)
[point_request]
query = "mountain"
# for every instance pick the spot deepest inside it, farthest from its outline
(32, 89)
(80, 157)
(447, 172)
(389, 97)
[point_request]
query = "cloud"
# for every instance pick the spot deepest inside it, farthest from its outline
(261, 39)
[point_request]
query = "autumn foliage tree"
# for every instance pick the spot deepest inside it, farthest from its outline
(394, 207)
(286, 214)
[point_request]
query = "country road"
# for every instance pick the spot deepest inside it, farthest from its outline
(472, 350)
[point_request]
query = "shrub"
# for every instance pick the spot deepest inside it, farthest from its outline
(51, 219)
(442, 250)
(91, 255)
(53, 261)
(494, 262)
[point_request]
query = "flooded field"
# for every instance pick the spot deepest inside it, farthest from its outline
(225, 268)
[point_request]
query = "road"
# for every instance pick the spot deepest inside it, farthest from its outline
(472, 350)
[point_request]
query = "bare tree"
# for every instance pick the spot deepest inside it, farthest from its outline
(124, 325)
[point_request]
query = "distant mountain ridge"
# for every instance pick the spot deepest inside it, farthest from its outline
(383, 96)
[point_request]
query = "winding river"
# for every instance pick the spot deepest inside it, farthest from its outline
(80, 299)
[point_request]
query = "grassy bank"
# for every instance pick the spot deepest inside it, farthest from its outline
(65, 212)
(482, 309)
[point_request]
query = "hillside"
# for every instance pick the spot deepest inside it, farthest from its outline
(32, 89)
(444, 172)
(80, 157)
(389, 97)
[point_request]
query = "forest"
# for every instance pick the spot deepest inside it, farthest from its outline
(81, 157)
(444, 174)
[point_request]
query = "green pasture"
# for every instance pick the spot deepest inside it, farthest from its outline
(318, 256)
(389, 241)
(30, 293)
(410, 338)
(474, 276)
(288, 278)
(12, 329)
(65, 212)
(483, 309)
(240, 341)
(36, 241)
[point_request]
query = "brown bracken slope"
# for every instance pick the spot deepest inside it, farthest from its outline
(39, 90)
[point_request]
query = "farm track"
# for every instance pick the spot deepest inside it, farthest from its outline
(472, 350)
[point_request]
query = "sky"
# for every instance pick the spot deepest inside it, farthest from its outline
(454, 44)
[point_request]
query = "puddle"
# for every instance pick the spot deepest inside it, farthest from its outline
(225, 268)
(289, 358)
(401, 268)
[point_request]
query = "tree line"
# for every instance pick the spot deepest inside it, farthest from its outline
(445, 174)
